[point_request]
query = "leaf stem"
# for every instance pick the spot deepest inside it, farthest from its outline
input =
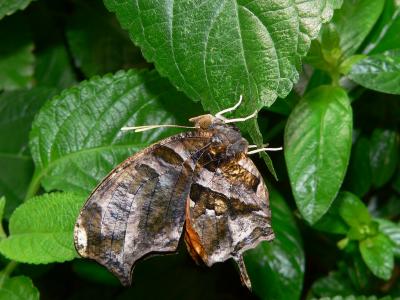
(33, 187)
(6, 272)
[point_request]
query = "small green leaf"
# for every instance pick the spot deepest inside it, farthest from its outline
(384, 154)
(76, 138)
(317, 147)
(392, 231)
(8, 7)
(353, 210)
(16, 58)
(354, 21)
(41, 230)
(331, 285)
(216, 50)
(98, 44)
(17, 110)
(18, 288)
(279, 263)
(359, 178)
(377, 253)
(379, 72)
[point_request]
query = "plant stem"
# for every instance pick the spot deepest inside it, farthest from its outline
(33, 187)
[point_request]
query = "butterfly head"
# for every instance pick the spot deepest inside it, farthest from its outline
(226, 137)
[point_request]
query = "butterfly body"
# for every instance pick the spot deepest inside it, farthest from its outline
(198, 183)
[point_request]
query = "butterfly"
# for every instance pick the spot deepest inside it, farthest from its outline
(200, 184)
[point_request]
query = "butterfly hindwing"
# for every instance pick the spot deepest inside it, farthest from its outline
(227, 210)
(139, 208)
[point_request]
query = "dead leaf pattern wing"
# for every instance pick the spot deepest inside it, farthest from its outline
(139, 208)
(228, 210)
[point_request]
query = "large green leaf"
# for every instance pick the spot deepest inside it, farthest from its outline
(354, 21)
(276, 269)
(17, 110)
(379, 72)
(77, 139)
(16, 58)
(384, 154)
(377, 253)
(98, 44)
(18, 288)
(8, 7)
(41, 230)
(217, 50)
(317, 149)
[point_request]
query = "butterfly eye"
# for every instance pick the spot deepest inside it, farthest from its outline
(216, 140)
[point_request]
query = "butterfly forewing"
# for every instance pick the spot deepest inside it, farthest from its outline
(139, 208)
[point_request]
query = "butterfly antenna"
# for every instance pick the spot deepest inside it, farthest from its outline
(264, 149)
(254, 114)
(219, 114)
(149, 127)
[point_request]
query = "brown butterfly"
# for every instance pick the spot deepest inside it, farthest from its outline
(200, 183)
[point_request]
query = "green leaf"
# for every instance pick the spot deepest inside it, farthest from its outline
(16, 58)
(216, 50)
(377, 253)
(392, 231)
(332, 222)
(53, 67)
(379, 72)
(331, 285)
(41, 230)
(353, 210)
(8, 7)
(17, 110)
(18, 288)
(280, 263)
(384, 154)
(98, 44)
(76, 138)
(354, 21)
(317, 149)
(359, 178)
(386, 33)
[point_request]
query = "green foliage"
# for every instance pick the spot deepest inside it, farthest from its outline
(384, 154)
(216, 51)
(18, 108)
(17, 288)
(280, 263)
(354, 21)
(41, 230)
(317, 149)
(379, 72)
(98, 44)
(16, 58)
(70, 78)
(377, 252)
(11, 6)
